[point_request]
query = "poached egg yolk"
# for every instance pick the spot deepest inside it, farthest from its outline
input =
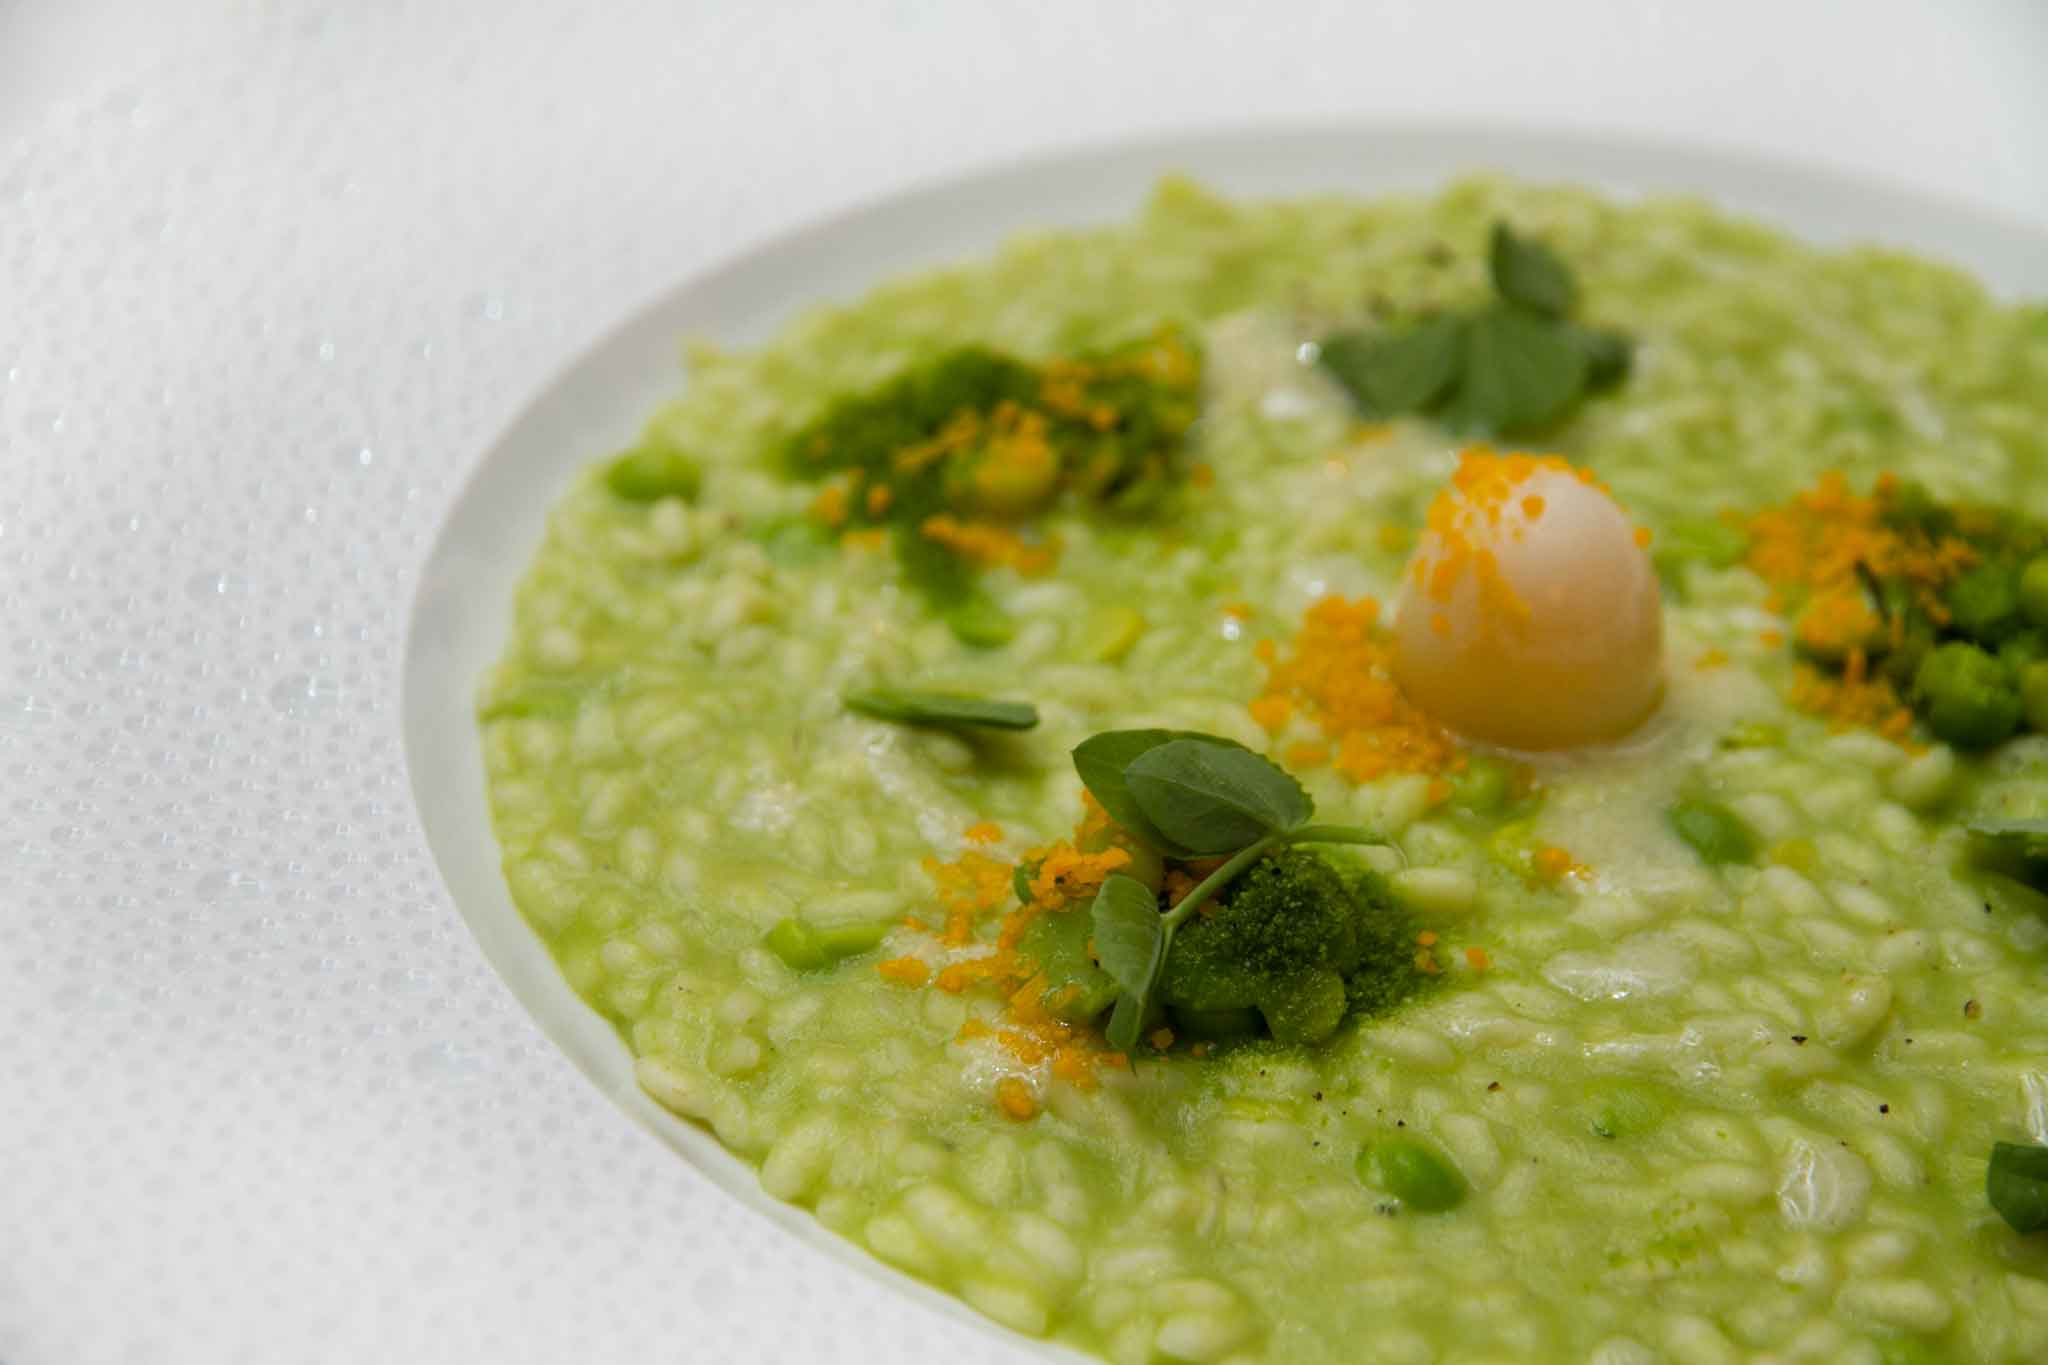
(1529, 614)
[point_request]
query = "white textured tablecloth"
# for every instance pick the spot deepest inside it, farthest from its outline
(269, 276)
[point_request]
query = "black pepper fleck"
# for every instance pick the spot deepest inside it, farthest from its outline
(1799, 1038)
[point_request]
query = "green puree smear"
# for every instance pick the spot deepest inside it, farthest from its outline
(955, 455)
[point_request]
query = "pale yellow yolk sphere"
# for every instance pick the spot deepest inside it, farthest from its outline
(1529, 614)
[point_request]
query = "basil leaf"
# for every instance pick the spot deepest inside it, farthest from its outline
(1389, 373)
(1521, 373)
(1102, 760)
(1609, 355)
(941, 710)
(1529, 274)
(1214, 798)
(1130, 944)
(2016, 1183)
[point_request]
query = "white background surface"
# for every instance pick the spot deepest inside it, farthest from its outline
(270, 276)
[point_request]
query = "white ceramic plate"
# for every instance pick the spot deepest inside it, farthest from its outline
(278, 1106)
(600, 401)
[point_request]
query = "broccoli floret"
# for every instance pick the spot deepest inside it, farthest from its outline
(1298, 943)
(1984, 604)
(1968, 697)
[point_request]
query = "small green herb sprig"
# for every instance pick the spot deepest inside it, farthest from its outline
(940, 710)
(1185, 795)
(1513, 366)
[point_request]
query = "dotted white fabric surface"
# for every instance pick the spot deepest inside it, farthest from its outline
(266, 288)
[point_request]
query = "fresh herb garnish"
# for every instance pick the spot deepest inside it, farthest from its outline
(941, 710)
(1185, 795)
(1393, 372)
(2016, 1183)
(1516, 365)
(1528, 274)
(1214, 798)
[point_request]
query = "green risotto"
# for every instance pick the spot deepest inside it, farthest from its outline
(1109, 776)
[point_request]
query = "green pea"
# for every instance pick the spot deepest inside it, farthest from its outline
(982, 624)
(1413, 1173)
(2034, 591)
(1715, 832)
(1713, 543)
(653, 470)
(1753, 734)
(1484, 784)
(1969, 699)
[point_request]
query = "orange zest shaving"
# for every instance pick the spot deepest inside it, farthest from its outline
(986, 832)
(986, 543)
(1552, 864)
(904, 971)
(1478, 959)
(1339, 678)
(977, 894)
(1013, 1096)
(1816, 552)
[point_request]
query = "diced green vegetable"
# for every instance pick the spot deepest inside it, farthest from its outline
(1714, 831)
(1412, 1172)
(1484, 785)
(2016, 1183)
(1711, 542)
(981, 623)
(794, 543)
(654, 470)
(805, 947)
(1110, 633)
(1969, 699)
